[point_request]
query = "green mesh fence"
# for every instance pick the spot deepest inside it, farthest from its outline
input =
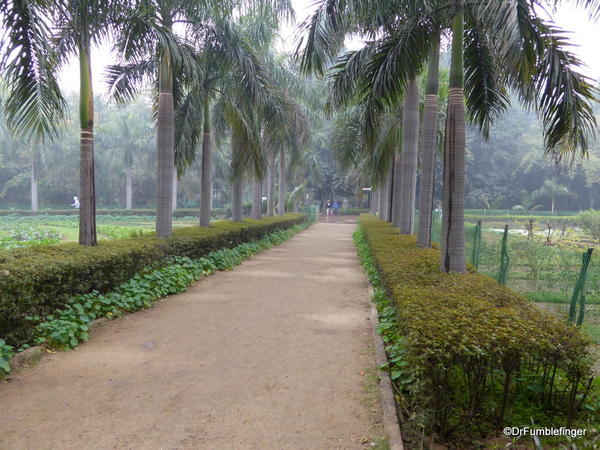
(558, 274)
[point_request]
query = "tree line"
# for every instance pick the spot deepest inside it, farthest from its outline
(214, 76)
(495, 47)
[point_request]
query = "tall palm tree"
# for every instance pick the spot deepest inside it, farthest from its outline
(152, 50)
(231, 54)
(495, 45)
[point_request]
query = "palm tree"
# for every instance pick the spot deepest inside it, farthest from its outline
(151, 49)
(552, 189)
(503, 44)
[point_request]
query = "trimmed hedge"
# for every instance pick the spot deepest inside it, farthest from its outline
(352, 211)
(475, 356)
(36, 281)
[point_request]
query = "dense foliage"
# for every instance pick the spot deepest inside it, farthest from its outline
(37, 281)
(468, 354)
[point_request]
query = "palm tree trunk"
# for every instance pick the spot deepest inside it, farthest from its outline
(174, 191)
(453, 222)
(428, 145)
(87, 184)
(236, 193)
(396, 205)
(282, 184)
(129, 188)
(390, 191)
(257, 201)
(165, 144)
(206, 174)
(34, 180)
(410, 140)
(271, 184)
(382, 199)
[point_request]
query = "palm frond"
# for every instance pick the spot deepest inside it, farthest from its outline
(34, 106)
(485, 90)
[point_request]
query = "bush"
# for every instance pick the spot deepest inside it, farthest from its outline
(471, 354)
(37, 281)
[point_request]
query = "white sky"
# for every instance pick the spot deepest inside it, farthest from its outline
(585, 36)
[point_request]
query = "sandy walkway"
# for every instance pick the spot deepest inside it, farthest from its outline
(271, 355)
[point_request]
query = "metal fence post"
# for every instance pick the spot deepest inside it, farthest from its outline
(579, 291)
(504, 258)
(476, 245)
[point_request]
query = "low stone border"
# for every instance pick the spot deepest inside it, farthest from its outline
(391, 423)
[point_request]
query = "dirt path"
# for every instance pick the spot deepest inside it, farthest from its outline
(271, 355)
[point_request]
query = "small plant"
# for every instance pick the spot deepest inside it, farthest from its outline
(6, 353)
(28, 233)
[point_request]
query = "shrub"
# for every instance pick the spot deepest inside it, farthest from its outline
(475, 356)
(37, 281)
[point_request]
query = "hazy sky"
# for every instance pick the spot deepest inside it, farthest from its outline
(585, 36)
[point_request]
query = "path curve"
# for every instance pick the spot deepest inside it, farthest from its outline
(274, 354)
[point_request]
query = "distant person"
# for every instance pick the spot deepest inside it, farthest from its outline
(328, 207)
(75, 203)
(336, 206)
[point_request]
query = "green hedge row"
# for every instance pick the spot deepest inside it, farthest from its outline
(353, 211)
(470, 355)
(37, 281)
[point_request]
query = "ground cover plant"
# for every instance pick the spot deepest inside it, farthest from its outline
(467, 355)
(70, 325)
(36, 281)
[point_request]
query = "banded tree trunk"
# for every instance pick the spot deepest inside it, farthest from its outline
(236, 193)
(396, 206)
(389, 188)
(165, 144)
(410, 140)
(206, 173)
(282, 184)
(129, 188)
(271, 184)
(34, 180)
(381, 201)
(453, 222)
(257, 201)
(428, 146)
(174, 191)
(87, 184)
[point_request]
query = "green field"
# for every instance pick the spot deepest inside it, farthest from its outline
(20, 231)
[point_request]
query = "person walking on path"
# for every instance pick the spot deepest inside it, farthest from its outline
(336, 206)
